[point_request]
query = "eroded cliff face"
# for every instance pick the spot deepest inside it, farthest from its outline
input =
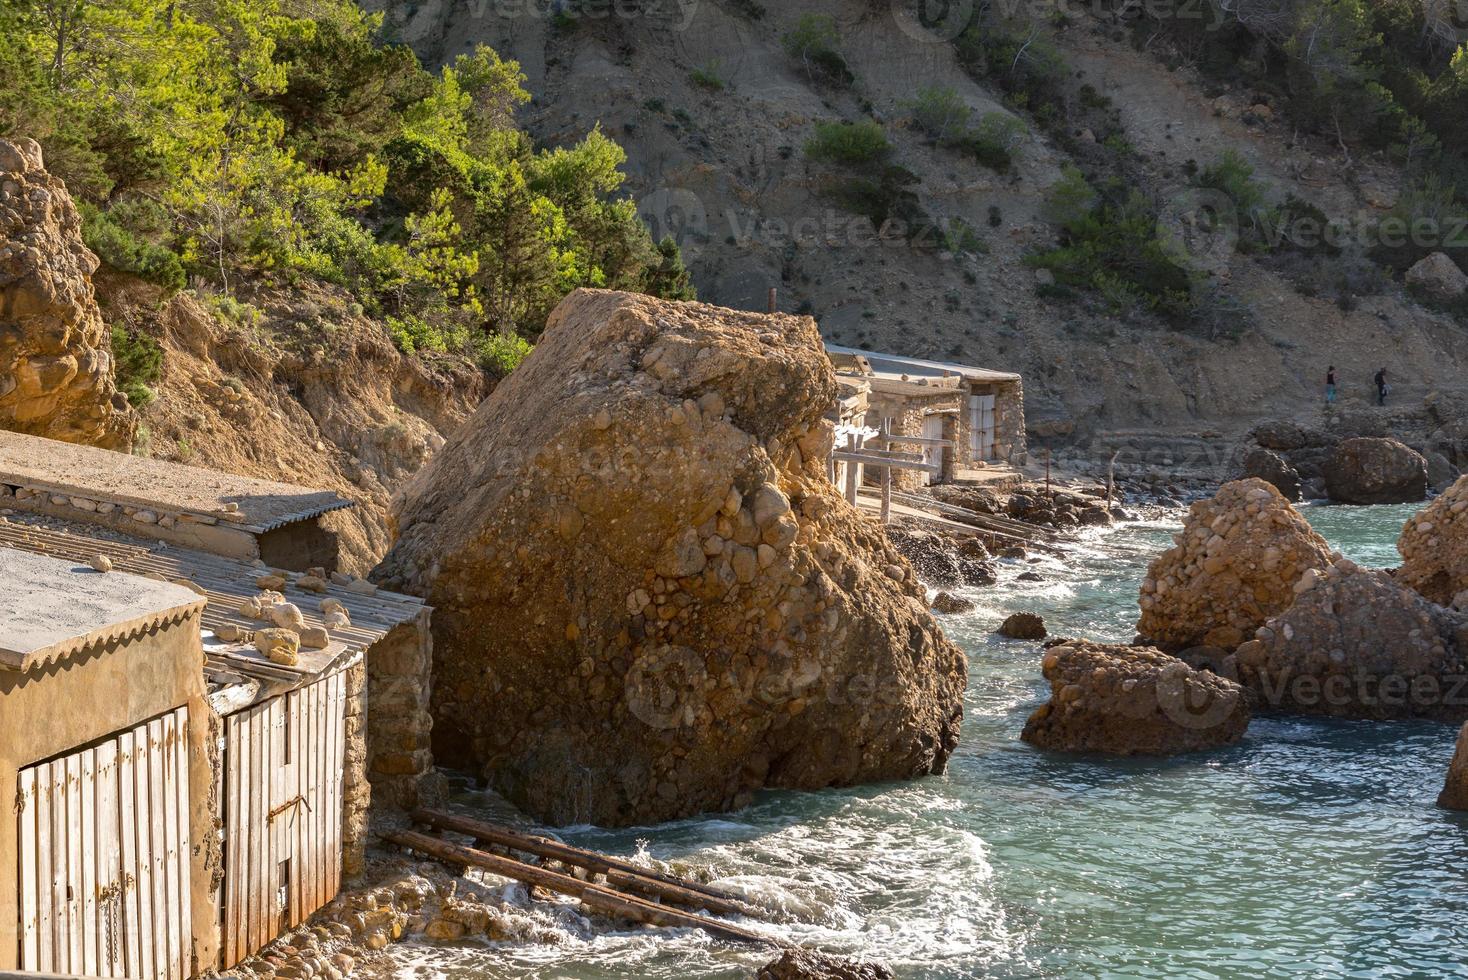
(649, 598)
(56, 376)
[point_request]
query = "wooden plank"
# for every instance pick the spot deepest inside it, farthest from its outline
(317, 878)
(110, 943)
(88, 810)
(45, 880)
(128, 856)
(75, 924)
(870, 460)
(252, 834)
(158, 853)
(335, 772)
(264, 900)
(142, 798)
(27, 808)
(182, 869)
(300, 831)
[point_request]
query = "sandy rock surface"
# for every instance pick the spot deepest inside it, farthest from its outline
(1375, 471)
(1434, 548)
(649, 599)
(1133, 701)
(1356, 644)
(1234, 565)
(56, 373)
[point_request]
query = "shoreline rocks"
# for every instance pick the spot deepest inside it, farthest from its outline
(1023, 626)
(650, 601)
(1434, 548)
(1454, 795)
(1234, 565)
(1123, 700)
(1357, 644)
(1375, 471)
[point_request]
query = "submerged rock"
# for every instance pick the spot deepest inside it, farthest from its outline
(56, 373)
(1356, 644)
(1434, 547)
(802, 964)
(649, 598)
(1023, 626)
(1455, 791)
(1376, 471)
(1133, 701)
(948, 604)
(1235, 564)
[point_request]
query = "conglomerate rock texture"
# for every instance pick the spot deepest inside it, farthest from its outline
(1234, 565)
(649, 599)
(1455, 789)
(1434, 548)
(56, 375)
(1133, 701)
(1376, 471)
(1356, 644)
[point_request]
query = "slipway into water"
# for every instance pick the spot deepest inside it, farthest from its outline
(1313, 848)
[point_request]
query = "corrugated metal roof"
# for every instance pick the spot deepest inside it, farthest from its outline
(897, 365)
(56, 608)
(227, 583)
(100, 475)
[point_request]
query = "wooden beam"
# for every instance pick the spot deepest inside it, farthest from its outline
(871, 460)
(599, 898)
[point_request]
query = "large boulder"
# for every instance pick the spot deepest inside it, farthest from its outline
(1434, 547)
(56, 373)
(804, 964)
(1356, 644)
(649, 598)
(1438, 275)
(1273, 469)
(1133, 701)
(1233, 566)
(1376, 471)
(1455, 789)
(1285, 436)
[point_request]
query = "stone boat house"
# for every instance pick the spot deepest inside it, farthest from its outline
(980, 411)
(181, 799)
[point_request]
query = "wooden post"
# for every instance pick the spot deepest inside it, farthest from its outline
(1048, 492)
(852, 469)
(886, 475)
(773, 295)
(1111, 480)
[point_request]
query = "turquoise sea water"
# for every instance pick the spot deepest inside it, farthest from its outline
(1313, 848)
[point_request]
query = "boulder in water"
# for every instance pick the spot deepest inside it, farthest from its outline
(1234, 565)
(1434, 547)
(1124, 700)
(1455, 790)
(650, 600)
(1376, 471)
(803, 964)
(948, 604)
(1357, 644)
(1023, 626)
(1272, 468)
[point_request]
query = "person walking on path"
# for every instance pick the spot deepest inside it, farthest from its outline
(1330, 385)
(1381, 387)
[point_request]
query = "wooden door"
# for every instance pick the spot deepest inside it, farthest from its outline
(932, 455)
(104, 857)
(282, 814)
(981, 426)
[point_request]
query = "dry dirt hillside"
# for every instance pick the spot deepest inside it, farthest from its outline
(714, 113)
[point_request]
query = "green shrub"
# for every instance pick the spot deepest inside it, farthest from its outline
(940, 113)
(848, 144)
(813, 43)
(993, 141)
(707, 76)
(138, 362)
(1234, 176)
(502, 353)
(127, 252)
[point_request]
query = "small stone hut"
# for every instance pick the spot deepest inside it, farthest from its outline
(979, 410)
(295, 757)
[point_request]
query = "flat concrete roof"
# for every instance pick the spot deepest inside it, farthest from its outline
(897, 365)
(54, 608)
(102, 475)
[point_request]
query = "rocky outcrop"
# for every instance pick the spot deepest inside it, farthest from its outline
(1356, 644)
(649, 599)
(1234, 565)
(56, 373)
(1023, 626)
(1434, 548)
(1133, 701)
(943, 561)
(802, 964)
(1273, 469)
(1455, 790)
(947, 604)
(1376, 471)
(1438, 275)
(1286, 437)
